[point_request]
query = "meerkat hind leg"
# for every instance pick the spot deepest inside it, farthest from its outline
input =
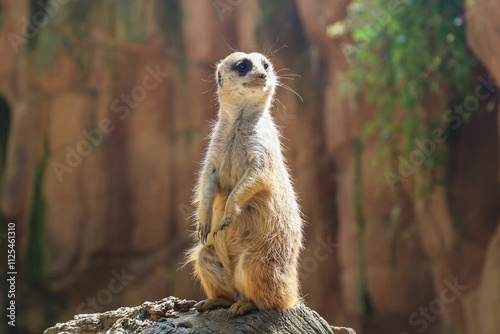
(241, 307)
(212, 303)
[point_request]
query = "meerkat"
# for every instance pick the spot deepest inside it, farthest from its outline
(249, 226)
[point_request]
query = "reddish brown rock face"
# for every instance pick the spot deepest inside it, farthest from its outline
(110, 104)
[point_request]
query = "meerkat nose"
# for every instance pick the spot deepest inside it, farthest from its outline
(262, 75)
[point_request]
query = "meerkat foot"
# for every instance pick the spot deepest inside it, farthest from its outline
(212, 303)
(241, 307)
(226, 221)
(203, 231)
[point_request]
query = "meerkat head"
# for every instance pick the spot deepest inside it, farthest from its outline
(245, 78)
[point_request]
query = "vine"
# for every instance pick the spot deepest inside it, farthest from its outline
(403, 52)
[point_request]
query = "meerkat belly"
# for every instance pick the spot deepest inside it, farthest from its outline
(247, 227)
(233, 165)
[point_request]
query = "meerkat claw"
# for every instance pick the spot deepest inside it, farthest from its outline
(209, 304)
(241, 307)
(203, 231)
(225, 222)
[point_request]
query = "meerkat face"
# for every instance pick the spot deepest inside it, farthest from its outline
(241, 77)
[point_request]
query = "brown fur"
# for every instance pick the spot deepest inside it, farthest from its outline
(249, 224)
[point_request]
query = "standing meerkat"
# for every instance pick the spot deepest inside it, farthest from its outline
(248, 220)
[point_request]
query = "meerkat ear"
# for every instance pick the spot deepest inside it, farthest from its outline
(219, 78)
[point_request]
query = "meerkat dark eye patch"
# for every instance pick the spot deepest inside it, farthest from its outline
(243, 66)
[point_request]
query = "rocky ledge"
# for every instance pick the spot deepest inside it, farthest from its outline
(172, 315)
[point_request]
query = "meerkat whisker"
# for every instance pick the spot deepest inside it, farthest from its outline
(207, 91)
(283, 69)
(277, 100)
(266, 52)
(229, 46)
(280, 84)
(289, 75)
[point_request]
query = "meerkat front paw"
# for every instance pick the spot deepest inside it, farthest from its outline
(203, 231)
(226, 221)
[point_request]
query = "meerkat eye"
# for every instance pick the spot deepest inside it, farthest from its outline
(243, 66)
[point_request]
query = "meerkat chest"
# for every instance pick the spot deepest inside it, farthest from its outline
(234, 161)
(234, 157)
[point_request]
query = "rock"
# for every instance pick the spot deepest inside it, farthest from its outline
(173, 315)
